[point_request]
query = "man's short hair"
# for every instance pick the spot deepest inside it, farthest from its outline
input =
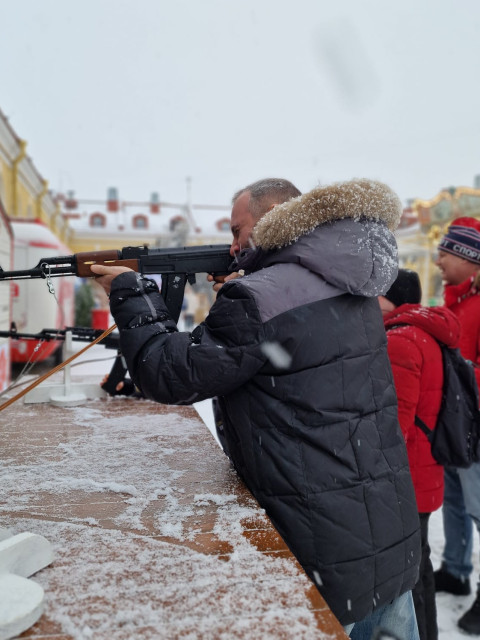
(264, 193)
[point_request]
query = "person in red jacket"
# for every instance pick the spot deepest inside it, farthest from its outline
(413, 334)
(459, 263)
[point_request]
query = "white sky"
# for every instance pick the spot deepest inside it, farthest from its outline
(140, 94)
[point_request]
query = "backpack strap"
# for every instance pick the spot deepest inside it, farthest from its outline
(426, 430)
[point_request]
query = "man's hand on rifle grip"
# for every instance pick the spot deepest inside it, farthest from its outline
(219, 281)
(106, 275)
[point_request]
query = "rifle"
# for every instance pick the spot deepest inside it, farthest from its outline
(175, 265)
(80, 334)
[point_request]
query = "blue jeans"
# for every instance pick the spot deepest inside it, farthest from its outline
(397, 618)
(461, 505)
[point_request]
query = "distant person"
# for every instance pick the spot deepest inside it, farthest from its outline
(314, 433)
(459, 264)
(414, 333)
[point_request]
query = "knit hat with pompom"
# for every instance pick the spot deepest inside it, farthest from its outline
(463, 239)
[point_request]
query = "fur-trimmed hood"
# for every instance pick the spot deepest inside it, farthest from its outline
(344, 233)
(356, 199)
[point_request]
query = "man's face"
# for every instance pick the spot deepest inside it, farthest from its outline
(385, 305)
(454, 269)
(242, 223)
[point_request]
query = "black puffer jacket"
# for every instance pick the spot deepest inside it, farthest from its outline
(296, 351)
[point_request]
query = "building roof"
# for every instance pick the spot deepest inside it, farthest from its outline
(116, 217)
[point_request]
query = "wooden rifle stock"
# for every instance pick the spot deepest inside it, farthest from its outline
(85, 259)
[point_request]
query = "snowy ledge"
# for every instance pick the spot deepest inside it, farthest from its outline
(154, 534)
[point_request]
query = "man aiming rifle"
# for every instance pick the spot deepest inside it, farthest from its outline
(315, 437)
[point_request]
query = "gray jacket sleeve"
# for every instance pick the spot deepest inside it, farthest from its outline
(176, 367)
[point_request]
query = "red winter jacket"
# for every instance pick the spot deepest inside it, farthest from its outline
(464, 300)
(416, 361)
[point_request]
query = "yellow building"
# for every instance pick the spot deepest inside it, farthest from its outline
(23, 191)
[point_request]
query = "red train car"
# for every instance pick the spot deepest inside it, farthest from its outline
(33, 307)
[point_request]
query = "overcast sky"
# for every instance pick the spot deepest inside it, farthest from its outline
(140, 94)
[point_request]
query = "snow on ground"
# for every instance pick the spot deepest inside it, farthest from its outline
(97, 362)
(450, 608)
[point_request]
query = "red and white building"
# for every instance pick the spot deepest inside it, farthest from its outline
(115, 222)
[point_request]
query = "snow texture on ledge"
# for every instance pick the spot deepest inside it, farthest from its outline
(105, 455)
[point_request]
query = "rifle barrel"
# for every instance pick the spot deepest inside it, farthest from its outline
(36, 272)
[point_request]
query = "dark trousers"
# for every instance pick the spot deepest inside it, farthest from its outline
(424, 591)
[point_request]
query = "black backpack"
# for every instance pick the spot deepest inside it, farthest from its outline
(456, 437)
